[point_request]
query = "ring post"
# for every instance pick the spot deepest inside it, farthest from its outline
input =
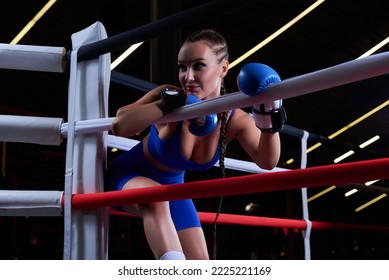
(86, 232)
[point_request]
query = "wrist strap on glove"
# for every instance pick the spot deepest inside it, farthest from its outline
(272, 121)
(171, 99)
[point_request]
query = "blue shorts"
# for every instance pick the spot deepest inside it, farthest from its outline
(132, 164)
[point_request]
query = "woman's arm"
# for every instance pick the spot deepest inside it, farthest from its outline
(263, 148)
(135, 117)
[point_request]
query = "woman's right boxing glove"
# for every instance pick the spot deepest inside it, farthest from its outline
(172, 99)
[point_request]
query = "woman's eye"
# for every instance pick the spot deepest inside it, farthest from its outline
(198, 66)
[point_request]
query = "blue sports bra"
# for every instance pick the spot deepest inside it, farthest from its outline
(168, 151)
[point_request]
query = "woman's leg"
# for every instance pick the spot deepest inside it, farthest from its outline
(194, 244)
(158, 225)
(188, 226)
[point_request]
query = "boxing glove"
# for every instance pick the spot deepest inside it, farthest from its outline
(171, 99)
(252, 79)
(204, 125)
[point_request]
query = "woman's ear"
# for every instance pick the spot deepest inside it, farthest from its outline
(225, 66)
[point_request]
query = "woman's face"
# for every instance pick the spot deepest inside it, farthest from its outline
(199, 71)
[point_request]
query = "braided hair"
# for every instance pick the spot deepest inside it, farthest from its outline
(219, 46)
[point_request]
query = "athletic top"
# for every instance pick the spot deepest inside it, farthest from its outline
(168, 151)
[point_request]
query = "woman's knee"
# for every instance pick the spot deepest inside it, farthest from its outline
(155, 208)
(143, 208)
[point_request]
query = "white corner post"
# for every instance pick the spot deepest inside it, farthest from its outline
(86, 231)
(304, 199)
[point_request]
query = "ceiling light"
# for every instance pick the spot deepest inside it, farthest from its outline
(375, 48)
(124, 55)
(317, 145)
(355, 190)
(321, 193)
(371, 182)
(289, 161)
(368, 142)
(33, 22)
(351, 192)
(342, 157)
(361, 118)
(276, 34)
(350, 125)
(252, 208)
(370, 202)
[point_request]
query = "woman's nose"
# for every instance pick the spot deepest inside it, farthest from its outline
(189, 75)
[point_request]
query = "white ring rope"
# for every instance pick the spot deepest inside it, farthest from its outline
(32, 58)
(35, 130)
(89, 126)
(348, 72)
(30, 203)
(126, 144)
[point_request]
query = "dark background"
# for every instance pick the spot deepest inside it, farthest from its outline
(335, 32)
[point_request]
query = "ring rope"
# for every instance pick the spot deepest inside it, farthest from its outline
(259, 221)
(148, 31)
(348, 72)
(268, 182)
(341, 74)
(126, 144)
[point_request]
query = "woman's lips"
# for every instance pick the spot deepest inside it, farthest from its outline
(192, 88)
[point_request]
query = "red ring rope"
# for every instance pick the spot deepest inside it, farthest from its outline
(257, 221)
(361, 171)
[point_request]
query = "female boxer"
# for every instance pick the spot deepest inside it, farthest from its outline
(173, 229)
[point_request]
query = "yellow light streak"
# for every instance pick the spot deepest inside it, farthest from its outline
(32, 22)
(367, 204)
(313, 197)
(276, 34)
(124, 55)
(375, 48)
(360, 119)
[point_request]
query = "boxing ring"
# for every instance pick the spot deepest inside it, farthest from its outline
(84, 204)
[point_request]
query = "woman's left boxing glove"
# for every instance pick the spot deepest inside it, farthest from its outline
(204, 125)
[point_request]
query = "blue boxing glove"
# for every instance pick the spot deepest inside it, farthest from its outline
(252, 79)
(204, 125)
